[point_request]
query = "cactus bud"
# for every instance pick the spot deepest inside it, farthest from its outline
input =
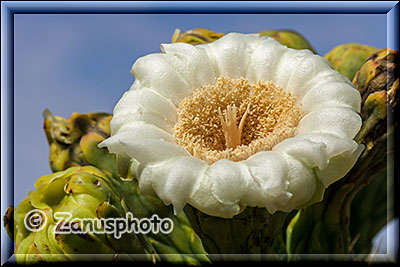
(289, 38)
(73, 141)
(195, 36)
(348, 58)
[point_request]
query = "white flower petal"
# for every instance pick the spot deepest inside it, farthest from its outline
(114, 145)
(339, 94)
(282, 179)
(264, 60)
(310, 153)
(306, 70)
(338, 167)
(141, 99)
(173, 180)
(225, 173)
(152, 150)
(339, 121)
(326, 76)
(157, 72)
(133, 133)
(288, 65)
(205, 201)
(143, 130)
(317, 197)
(197, 65)
(144, 150)
(157, 120)
(231, 54)
(269, 183)
(215, 194)
(334, 145)
(302, 184)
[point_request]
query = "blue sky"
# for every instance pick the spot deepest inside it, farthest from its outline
(81, 63)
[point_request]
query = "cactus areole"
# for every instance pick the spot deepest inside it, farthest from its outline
(243, 121)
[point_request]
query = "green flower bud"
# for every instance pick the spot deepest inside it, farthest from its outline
(196, 36)
(348, 58)
(73, 141)
(289, 38)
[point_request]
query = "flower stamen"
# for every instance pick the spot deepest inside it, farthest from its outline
(232, 132)
(234, 119)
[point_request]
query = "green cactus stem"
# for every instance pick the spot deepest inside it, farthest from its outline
(249, 235)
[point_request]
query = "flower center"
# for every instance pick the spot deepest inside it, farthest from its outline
(232, 132)
(234, 119)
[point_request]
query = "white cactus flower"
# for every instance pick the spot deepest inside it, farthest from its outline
(243, 121)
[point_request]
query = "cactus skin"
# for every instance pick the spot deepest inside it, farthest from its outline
(289, 38)
(182, 245)
(372, 208)
(348, 58)
(325, 227)
(82, 133)
(251, 232)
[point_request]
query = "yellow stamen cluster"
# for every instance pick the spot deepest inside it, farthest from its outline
(234, 119)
